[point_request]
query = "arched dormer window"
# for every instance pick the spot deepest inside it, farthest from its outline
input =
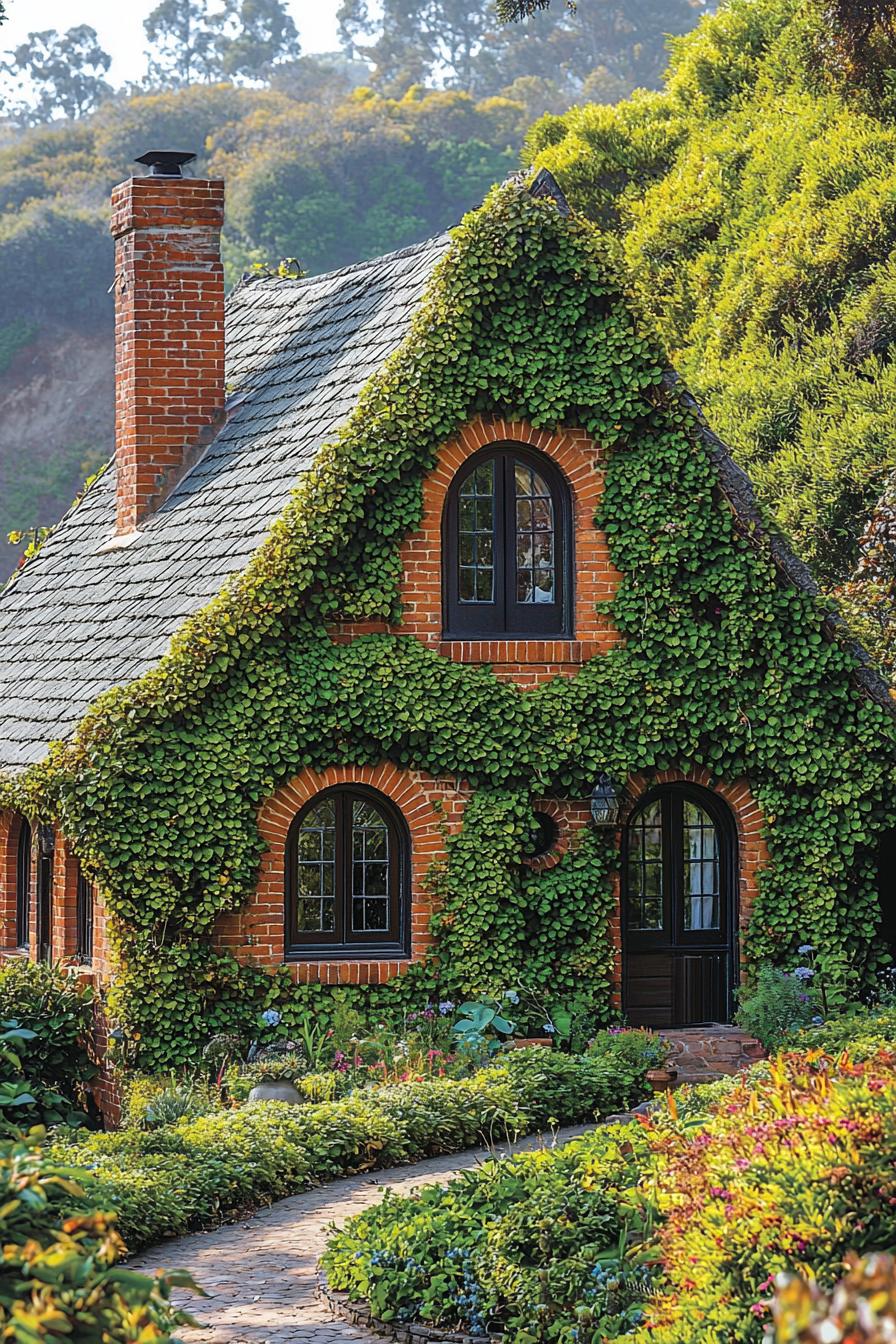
(23, 884)
(507, 547)
(347, 876)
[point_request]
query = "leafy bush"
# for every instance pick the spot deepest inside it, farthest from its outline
(776, 1006)
(861, 1031)
(790, 1175)
(56, 1010)
(59, 1278)
(151, 1103)
(197, 1171)
(861, 1310)
(526, 1246)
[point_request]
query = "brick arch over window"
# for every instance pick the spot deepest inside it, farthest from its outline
(752, 850)
(258, 932)
(527, 661)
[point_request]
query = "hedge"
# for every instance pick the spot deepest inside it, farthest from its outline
(200, 1171)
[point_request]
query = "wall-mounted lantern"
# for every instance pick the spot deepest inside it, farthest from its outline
(606, 801)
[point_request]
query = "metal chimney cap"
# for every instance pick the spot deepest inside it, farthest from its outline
(165, 162)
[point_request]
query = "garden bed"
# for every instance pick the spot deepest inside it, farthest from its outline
(199, 1172)
(670, 1232)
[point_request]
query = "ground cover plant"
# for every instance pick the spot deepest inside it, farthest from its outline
(165, 1179)
(672, 1229)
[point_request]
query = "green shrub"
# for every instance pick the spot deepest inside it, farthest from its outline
(58, 1009)
(861, 1031)
(152, 1102)
(527, 1246)
(59, 1278)
(198, 1171)
(776, 1006)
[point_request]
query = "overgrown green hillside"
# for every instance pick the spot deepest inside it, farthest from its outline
(755, 204)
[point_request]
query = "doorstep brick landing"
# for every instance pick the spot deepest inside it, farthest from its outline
(704, 1054)
(261, 1272)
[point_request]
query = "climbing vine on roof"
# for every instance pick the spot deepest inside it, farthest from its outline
(721, 667)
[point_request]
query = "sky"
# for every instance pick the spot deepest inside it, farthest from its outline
(119, 25)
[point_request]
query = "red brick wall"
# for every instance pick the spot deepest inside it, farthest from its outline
(527, 662)
(431, 808)
(10, 825)
(169, 331)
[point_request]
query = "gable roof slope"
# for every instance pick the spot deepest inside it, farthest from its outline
(78, 620)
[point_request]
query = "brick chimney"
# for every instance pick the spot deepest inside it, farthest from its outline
(169, 329)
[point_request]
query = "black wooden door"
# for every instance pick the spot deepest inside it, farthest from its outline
(45, 855)
(678, 910)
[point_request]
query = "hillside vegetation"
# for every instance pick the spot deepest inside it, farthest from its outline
(754, 201)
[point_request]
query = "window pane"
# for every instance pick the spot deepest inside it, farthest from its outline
(702, 906)
(535, 546)
(316, 869)
(475, 534)
(645, 869)
(371, 863)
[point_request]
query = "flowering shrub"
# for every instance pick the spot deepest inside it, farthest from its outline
(860, 1031)
(787, 1176)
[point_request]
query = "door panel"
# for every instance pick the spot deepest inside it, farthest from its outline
(678, 909)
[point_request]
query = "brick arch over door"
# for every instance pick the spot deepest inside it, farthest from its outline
(428, 806)
(528, 661)
(750, 849)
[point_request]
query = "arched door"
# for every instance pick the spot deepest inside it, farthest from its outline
(678, 910)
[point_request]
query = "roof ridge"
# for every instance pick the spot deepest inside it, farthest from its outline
(248, 278)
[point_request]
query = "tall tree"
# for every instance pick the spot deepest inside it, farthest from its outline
(195, 41)
(184, 43)
(65, 71)
(257, 34)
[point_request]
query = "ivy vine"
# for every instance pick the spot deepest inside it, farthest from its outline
(721, 667)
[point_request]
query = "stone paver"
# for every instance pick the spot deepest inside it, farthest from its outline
(260, 1273)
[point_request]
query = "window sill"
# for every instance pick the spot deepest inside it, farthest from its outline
(346, 955)
(536, 649)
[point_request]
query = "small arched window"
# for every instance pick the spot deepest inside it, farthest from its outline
(507, 547)
(347, 862)
(23, 884)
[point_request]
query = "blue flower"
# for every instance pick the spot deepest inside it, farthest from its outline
(549, 1027)
(817, 1021)
(446, 1007)
(804, 972)
(805, 949)
(271, 1017)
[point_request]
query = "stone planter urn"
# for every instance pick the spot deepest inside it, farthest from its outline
(275, 1089)
(662, 1079)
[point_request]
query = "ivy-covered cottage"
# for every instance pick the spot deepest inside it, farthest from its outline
(421, 639)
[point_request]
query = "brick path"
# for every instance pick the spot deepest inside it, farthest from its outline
(260, 1273)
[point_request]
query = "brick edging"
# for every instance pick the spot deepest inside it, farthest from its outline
(357, 1313)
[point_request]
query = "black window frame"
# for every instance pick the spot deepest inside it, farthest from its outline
(504, 617)
(24, 844)
(389, 944)
(84, 919)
